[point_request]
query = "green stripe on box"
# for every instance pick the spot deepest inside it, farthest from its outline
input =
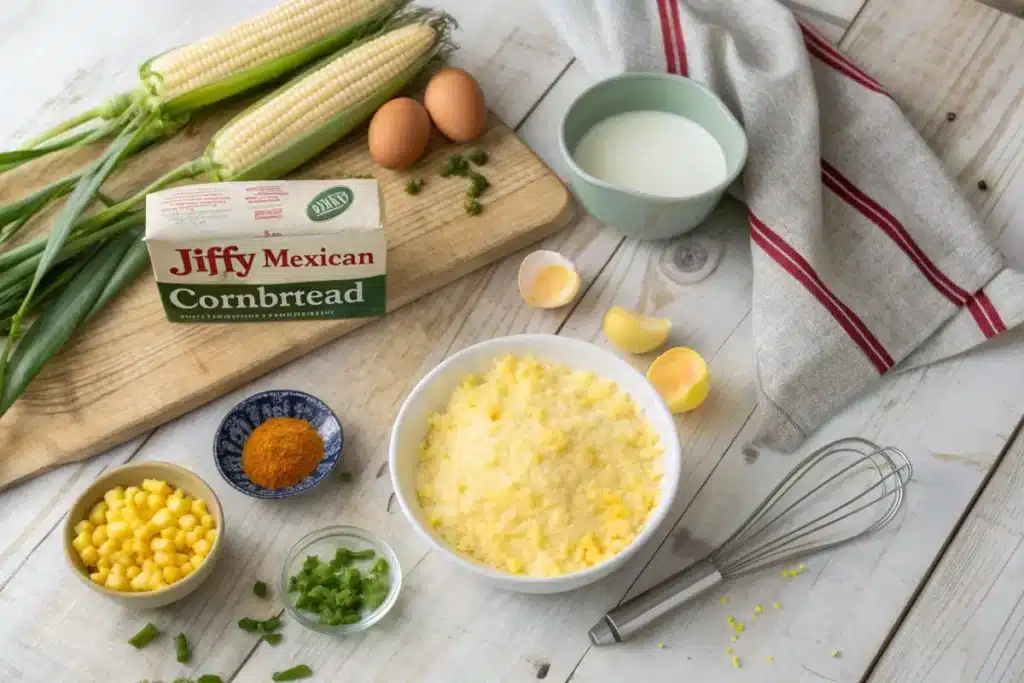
(203, 303)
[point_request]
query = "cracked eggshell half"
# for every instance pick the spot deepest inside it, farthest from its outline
(548, 280)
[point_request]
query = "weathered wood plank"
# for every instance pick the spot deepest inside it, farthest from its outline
(967, 624)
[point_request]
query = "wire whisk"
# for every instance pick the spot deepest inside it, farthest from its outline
(842, 492)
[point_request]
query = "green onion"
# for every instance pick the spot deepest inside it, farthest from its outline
(456, 165)
(477, 186)
(293, 674)
(272, 638)
(413, 186)
(144, 637)
(259, 589)
(473, 207)
(209, 678)
(181, 648)
(478, 157)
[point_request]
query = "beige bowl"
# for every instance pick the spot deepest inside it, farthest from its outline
(132, 474)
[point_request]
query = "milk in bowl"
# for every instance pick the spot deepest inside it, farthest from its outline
(654, 152)
(650, 155)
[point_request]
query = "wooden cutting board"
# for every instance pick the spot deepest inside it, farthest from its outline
(131, 370)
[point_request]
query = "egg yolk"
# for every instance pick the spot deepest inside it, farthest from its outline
(550, 284)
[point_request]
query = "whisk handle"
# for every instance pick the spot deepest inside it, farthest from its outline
(632, 615)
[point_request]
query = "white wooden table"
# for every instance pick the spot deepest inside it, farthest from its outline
(936, 597)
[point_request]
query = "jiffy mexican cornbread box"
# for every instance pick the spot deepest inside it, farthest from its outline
(268, 250)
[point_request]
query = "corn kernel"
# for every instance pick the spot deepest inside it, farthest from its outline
(144, 513)
(89, 556)
(163, 518)
(117, 570)
(169, 533)
(140, 499)
(156, 486)
(181, 559)
(140, 582)
(116, 493)
(127, 546)
(180, 542)
(115, 505)
(207, 522)
(99, 535)
(178, 492)
(97, 515)
(163, 559)
(171, 574)
(161, 545)
(84, 527)
(118, 530)
(130, 515)
(107, 548)
(103, 562)
(129, 494)
(99, 577)
(160, 584)
(138, 545)
(186, 569)
(199, 507)
(177, 505)
(211, 536)
(188, 522)
(132, 572)
(202, 547)
(191, 537)
(82, 541)
(155, 501)
(196, 561)
(148, 566)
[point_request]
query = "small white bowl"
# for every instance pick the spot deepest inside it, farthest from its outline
(434, 391)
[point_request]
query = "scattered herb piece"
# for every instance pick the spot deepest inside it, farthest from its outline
(736, 662)
(144, 637)
(249, 625)
(478, 185)
(478, 157)
(183, 680)
(346, 477)
(769, 658)
(413, 185)
(293, 674)
(209, 678)
(272, 638)
(836, 654)
(456, 164)
(777, 605)
(982, 185)
(473, 207)
(729, 649)
(951, 116)
(725, 599)
(270, 625)
(181, 648)
(259, 589)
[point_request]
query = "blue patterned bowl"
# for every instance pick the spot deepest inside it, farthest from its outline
(241, 420)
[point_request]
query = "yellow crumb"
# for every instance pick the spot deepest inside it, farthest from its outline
(837, 654)
(729, 650)
(739, 627)
(786, 573)
(803, 567)
(661, 645)
(758, 609)
(725, 599)
(734, 638)
(736, 662)
(777, 605)
(769, 658)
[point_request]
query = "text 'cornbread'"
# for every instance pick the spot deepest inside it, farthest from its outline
(538, 469)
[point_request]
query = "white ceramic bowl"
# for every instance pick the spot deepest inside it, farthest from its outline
(433, 392)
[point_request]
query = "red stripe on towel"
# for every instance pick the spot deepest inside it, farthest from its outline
(666, 37)
(828, 48)
(677, 27)
(881, 217)
(829, 57)
(787, 257)
(985, 314)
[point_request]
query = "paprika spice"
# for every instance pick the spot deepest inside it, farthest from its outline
(282, 452)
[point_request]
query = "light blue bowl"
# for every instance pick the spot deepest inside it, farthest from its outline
(637, 214)
(241, 420)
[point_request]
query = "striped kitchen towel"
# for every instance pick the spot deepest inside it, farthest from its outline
(867, 259)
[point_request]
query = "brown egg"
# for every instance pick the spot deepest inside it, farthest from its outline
(399, 133)
(456, 104)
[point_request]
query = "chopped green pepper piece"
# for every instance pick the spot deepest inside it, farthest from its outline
(144, 637)
(270, 625)
(478, 185)
(273, 638)
(473, 207)
(413, 186)
(293, 674)
(260, 589)
(380, 567)
(181, 648)
(478, 157)
(455, 165)
(209, 678)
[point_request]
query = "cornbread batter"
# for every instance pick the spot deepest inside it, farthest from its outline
(537, 469)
